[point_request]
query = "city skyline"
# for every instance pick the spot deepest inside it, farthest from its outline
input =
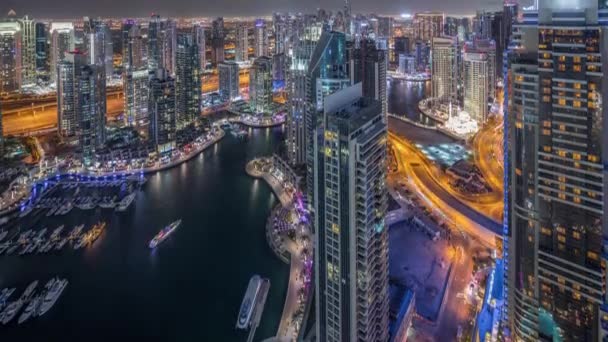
(237, 8)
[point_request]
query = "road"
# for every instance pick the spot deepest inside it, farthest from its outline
(487, 149)
(29, 121)
(435, 195)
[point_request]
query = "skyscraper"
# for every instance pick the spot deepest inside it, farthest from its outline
(1, 135)
(479, 77)
(91, 111)
(187, 78)
(260, 85)
(351, 247)
(155, 43)
(28, 51)
(229, 80)
(199, 31)
(68, 78)
(133, 53)
(555, 236)
(42, 49)
(217, 40)
(163, 126)
(444, 68)
(260, 35)
(242, 43)
(297, 87)
(368, 65)
(428, 25)
(62, 41)
(327, 73)
(135, 85)
(280, 33)
(10, 56)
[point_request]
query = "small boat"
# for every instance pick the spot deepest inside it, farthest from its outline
(164, 234)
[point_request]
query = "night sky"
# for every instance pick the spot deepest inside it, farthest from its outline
(189, 8)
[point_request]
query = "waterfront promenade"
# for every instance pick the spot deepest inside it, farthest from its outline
(297, 244)
(26, 186)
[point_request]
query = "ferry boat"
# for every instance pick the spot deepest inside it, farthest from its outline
(164, 233)
(248, 303)
(126, 202)
(57, 233)
(52, 295)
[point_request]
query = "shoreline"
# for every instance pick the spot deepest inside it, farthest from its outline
(125, 174)
(292, 251)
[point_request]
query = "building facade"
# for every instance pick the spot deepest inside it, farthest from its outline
(91, 111)
(135, 86)
(28, 51)
(187, 78)
(368, 65)
(351, 248)
(428, 25)
(260, 85)
(555, 236)
(217, 40)
(241, 54)
(10, 57)
(444, 68)
(260, 37)
(229, 81)
(163, 125)
(479, 69)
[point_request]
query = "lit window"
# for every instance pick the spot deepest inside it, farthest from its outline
(577, 86)
(576, 104)
(576, 156)
(577, 68)
(592, 255)
(576, 59)
(576, 235)
(593, 158)
(561, 102)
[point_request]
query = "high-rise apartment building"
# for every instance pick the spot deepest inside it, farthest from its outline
(68, 82)
(260, 85)
(241, 53)
(10, 56)
(42, 49)
(229, 80)
(327, 73)
(479, 69)
(555, 233)
(187, 78)
(217, 40)
(280, 33)
(260, 35)
(428, 25)
(445, 68)
(91, 111)
(163, 125)
(62, 42)
(368, 64)
(297, 87)
(156, 54)
(351, 245)
(28, 51)
(135, 86)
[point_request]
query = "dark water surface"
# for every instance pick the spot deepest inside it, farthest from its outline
(191, 287)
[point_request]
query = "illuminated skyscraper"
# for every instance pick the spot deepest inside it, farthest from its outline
(10, 56)
(91, 111)
(1, 135)
(280, 33)
(133, 53)
(62, 41)
(68, 82)
(242, 43)
(135, 85)
(260, 35)
(479, 78)
(555, 238)
(297, 87)
(28, 51)
(260, 85)
(351, 244)
(327, 73)
(187, 78)
(156, 54)
(42, 49)
(445, 69)
(229, 80)
(428, 25)
(163, 126)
